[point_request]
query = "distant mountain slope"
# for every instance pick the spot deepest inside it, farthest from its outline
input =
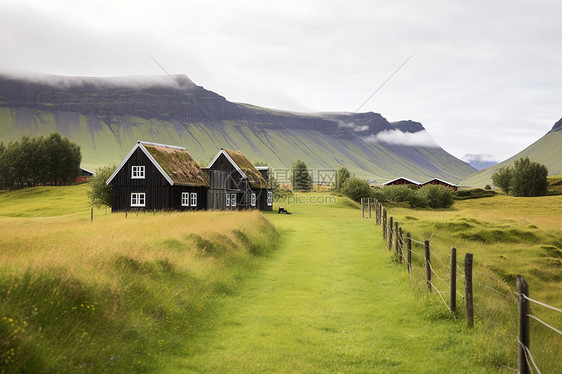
(106, 116)
(547, 150)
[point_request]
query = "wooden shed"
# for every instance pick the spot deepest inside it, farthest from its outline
(158, 177)
(402, 181)
(84, 176)
(235, 183)
(440, 182)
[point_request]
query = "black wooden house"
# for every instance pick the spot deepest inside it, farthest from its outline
(158, 177)
(235, 183)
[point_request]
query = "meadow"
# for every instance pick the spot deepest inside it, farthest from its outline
(315, 291)
(508, 236)
(112, 295)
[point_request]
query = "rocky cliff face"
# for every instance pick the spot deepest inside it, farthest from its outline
(106, 116)
(557, 126)
(179, 100)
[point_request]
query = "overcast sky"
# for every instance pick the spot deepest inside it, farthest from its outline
(485, 76)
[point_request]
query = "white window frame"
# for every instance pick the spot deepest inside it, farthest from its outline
(137, 172)
(228, 199)
(138, 199)
(233, 200)
(253, 199)
(269, 198)
(193, 199)
(185, 199)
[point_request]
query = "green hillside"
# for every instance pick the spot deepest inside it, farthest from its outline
(547, 150)
(104, 144)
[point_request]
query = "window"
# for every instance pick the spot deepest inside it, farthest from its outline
(269, 198)
(137, 172)
(193, 199)
(185, 199)
(231, 199)
(138, 199)
(253, 199)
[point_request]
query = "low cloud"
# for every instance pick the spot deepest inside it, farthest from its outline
(353, 126)
(420, 138)
(482, 157)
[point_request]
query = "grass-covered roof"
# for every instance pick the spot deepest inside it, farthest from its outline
(178, 164)
(254, 176)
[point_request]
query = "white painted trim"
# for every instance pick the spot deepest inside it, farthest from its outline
(145, 151)
(123, 163)
(156, 163)
(440, 180)
(223, 152)
(395, 179)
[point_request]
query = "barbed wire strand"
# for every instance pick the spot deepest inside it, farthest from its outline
(529, 355)
(544, 323)
(441, 296)
(540, 303)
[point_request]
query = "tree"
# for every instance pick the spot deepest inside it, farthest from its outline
(502, 179)
(529, 178)
(356, 188)
(100, 192)
(341, 176)
(301, 179)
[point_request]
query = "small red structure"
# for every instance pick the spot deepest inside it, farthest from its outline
(402, 181)
(84, 176)
(440, 182)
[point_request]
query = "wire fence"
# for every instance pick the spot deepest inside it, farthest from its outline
(421, 267)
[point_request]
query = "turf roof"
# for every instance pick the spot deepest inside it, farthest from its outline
(178, 164)
(254, 176)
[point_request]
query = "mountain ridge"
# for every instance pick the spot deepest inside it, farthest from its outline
(547, 150)
(106, 116)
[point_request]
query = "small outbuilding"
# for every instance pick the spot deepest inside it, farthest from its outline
(402, 181)
(158, 177)
(235, 183)
(439, 182)
(84, 176)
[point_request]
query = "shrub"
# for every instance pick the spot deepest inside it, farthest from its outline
(488, 187)
(437, 197)
(99, 192)
(356, 188)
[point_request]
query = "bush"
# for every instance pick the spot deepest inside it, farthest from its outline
(99, 192)
(488, 187)
(474, 193)
(356, 188)
(437, 197)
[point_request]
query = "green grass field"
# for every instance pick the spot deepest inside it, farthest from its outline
(243, 292)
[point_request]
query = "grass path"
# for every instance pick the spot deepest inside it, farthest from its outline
(312, 309)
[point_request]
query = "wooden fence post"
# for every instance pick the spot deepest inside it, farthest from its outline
(427, 265)
(524, 332)
(125, 214)
(384, 224)
(468, 290)
(377, 221)
(409, 240)
(396, 238)
(390, 236)
(369, 202)
(362, 208)
(400, 245)
(92, 214)
(453, 288)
